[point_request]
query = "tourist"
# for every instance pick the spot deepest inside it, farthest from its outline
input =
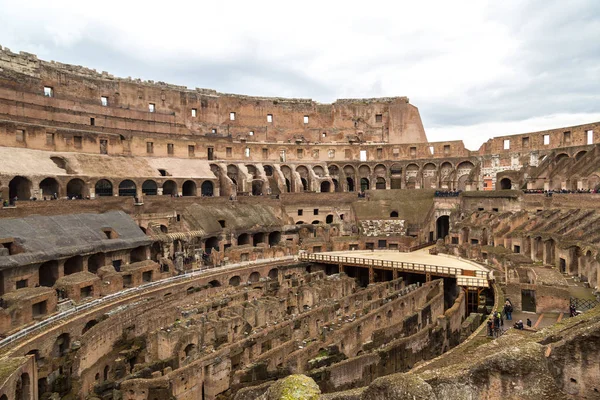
(490, 324)
(508, 309)
(528, 323)
(519, 325)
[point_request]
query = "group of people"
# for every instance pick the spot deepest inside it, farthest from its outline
(548, 193)
(447, 193)
(496, 320)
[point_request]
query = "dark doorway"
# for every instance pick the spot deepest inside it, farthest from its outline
(528, 300)
(563, 265)
(325, 186)
(364, 184)
(127, 188)
(505, 184)
(350, 183)
(149, 188)
(443, 226)
(207, 189)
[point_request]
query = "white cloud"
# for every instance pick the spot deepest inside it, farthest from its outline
(473, 64)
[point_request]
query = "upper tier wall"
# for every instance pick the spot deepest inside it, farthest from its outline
(183, 111)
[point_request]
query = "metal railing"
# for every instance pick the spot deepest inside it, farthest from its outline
(480, 278)
(124, 293)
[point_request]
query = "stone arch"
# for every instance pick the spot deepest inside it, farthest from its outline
(319, 171)
(505, 184)
(594, 182)
(325, 187)
(233, 173)
(394, 214)
(580, 154)
(274, 238)
(380, 183)
(73, 265)
(268, 170)
(252, 171)
(258, 238)
(89, 325)
(49, 187)
(48, 273)
(19, 187)
(243, 239)
(336, 185)
(273, 273)
(412, 172)
(364, 170)
(104, 188)
(235, 280)
(105, 372)
(76, 187)
(380, 170)
(190, 350)
(364, 184)
(149, 188)
(62, 344)
(127, 187)
(429, 176)
(561, 156)
(288, 176)
(254, 277)
(189, 188)
(462, 173)
(396, 176)
(214, 283)
(169, 188)
(23, 387)
(207, 189)
(257, 187)
(329, 219)
(333, 169)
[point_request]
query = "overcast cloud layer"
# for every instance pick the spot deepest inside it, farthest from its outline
(476, 69)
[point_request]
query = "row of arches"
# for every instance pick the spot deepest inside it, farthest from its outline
(22, 188)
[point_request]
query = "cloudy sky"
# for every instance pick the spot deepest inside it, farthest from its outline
(476, 69)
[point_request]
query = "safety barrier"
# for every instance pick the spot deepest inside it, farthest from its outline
(106, 299)
(479, 279)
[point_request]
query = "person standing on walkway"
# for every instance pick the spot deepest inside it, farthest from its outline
(508, 309)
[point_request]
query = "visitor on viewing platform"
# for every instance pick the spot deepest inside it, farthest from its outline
(447, 193)
(548, 193)
(519, 325)
(508, 309)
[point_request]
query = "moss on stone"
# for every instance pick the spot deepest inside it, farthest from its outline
(294, 387)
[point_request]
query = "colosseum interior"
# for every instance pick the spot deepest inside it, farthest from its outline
(160, 243)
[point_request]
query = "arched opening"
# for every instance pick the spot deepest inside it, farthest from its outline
(325, 186)
(164, 229)
(169, 188)
(48, 273)
(380, 183)
(149, 188)
(288, 186)
(138, 254)
(429, 176)
(350, 183)
(214, 283)
(61, 345)
(127, 188)
(316, 222)
(505, 184)
(254, 277)
(257, 187)
(76, 188)
(304, 184)
(212, 243)
(274, 238)
(443, 226)
(188, 188)
(95, 262)
(273, 274)
(329, 219)
(243, 239)
(579, 155)
(258, 238)
(364, 184)
(89, 326)
(336, 185)
(190, 350)
(104, 188)
(48, 187)
(23, 388)
(268, 170)
(106, 372)
(20, 188)
(73, 265)
(235, 281)
(394, 214)
(300, 223)
(207, 189)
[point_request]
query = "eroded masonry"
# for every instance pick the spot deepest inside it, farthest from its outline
(160, 243)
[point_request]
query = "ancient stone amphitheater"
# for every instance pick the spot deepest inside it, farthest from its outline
(160, 242)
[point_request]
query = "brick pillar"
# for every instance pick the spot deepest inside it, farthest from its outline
(371, 275)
